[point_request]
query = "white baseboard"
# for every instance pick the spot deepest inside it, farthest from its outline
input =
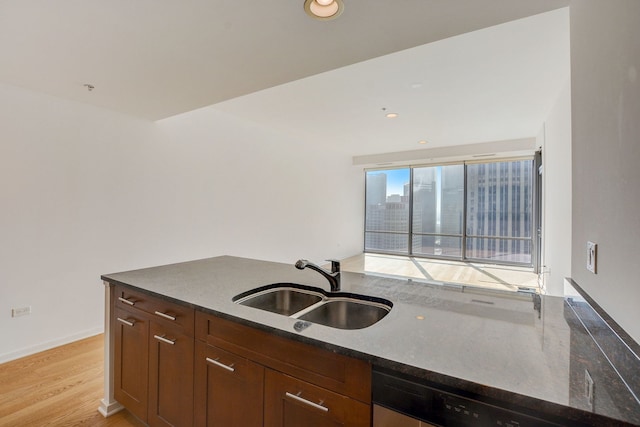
(108, 409)
(7, 357)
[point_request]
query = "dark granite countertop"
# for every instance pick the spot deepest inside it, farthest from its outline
(502, 348)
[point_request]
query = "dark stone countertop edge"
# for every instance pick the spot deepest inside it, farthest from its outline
(613, 325)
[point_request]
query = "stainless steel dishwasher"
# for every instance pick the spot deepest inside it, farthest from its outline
(403, 401)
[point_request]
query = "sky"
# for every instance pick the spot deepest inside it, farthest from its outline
(396, 179)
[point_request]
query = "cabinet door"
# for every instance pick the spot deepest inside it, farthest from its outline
(170, 376)
(131, 351)
(290, 402)
(229, 389)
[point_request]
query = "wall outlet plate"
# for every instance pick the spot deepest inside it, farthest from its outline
(22, 311)
(592, 253)
(589, 388)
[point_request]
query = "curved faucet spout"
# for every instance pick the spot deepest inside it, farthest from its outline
(333, 277)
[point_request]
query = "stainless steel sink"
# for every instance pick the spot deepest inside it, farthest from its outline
(285, 300)
(335, 309)
(347, 313)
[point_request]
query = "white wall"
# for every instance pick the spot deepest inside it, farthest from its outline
(85, 191)
(605, 100)
(555, 140)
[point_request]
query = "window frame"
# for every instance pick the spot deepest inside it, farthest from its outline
(533, 212)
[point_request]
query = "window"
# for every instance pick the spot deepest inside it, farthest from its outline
(479, 211)
(499, 211)
(438, 199)
(387, 211)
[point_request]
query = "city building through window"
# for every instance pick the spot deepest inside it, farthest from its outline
(475, 211)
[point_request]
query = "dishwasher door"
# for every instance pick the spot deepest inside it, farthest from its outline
(383, 417)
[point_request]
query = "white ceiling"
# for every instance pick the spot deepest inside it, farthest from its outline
(493, 84)
(157, 58)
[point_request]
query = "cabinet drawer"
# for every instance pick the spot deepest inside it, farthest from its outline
(130, 299)
(290, 402)
(161, 310)
(342, 374)
(172, 314)
(227, 363)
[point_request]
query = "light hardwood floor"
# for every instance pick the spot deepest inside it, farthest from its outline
(58, 387)
(507, 278)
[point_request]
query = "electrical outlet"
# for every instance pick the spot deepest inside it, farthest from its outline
(22, 311)
(588, 388)
(592, 253)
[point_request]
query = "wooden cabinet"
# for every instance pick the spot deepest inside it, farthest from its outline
(174, 366)
(131, 361)
(291, 402)
(153, 360)
(228, 389)
(303, 385)
(170, 376)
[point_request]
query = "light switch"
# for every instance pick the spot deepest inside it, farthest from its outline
(592, 252)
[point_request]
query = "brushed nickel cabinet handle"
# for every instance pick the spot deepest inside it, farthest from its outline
(307, 402)
(126, 301)
(126, 322)
(166, 316)
(164, 340)
(222, 365)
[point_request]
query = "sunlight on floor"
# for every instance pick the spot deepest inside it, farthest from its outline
(491, 276)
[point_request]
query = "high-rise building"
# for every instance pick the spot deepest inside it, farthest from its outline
(498, 207)
(387, 217)
(499, 210)
(376, 188)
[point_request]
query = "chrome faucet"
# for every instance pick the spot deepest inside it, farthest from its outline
(333, 277)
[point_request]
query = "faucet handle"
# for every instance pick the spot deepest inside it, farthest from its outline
(335, 265)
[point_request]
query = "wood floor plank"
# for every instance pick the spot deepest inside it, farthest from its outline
(58, 387)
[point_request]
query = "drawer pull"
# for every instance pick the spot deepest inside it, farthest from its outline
(222, 365)
(126, 301)
(126, 322)
(307, 402)
(166, 316)
(164, 340)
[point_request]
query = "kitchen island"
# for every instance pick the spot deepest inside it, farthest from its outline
(518, 351)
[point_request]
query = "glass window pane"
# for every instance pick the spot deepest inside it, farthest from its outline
(499, 199)
(387, 210)
(386, 242)
(437, 245)
(498, 207)
(438, 197)
(499, 250)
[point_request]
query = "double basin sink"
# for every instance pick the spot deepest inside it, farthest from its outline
(335, 309)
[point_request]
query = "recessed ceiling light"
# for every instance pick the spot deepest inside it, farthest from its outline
(391, 115)
(323, 9)
(416, 85)
(422, 141)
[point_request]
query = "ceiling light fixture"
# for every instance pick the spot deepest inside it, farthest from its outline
(391, 115)
(323, 10)
(422, 141)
